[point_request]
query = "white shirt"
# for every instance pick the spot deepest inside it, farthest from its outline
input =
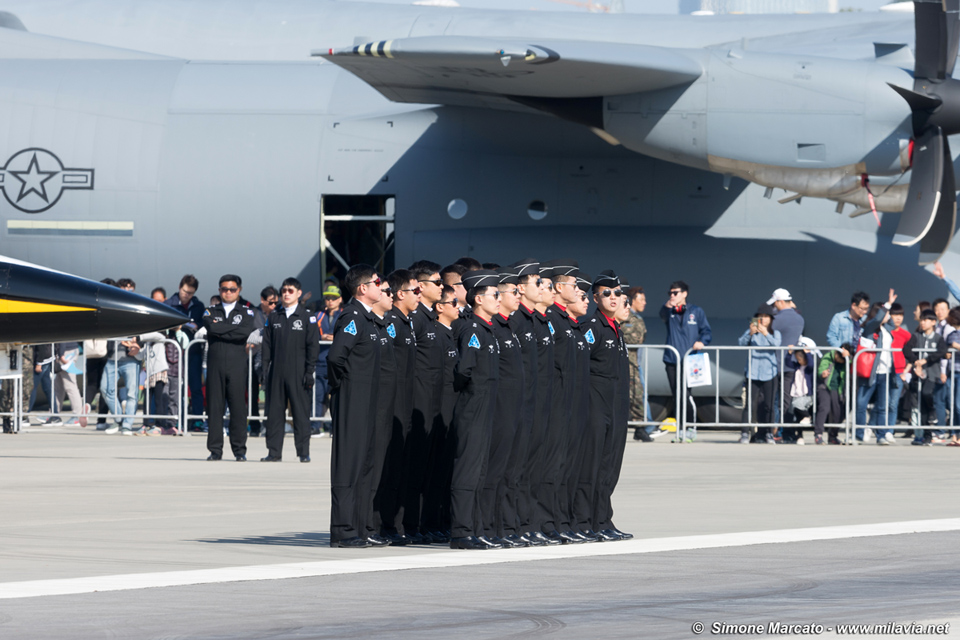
(365, 306)
(228, 308)
(289, 310)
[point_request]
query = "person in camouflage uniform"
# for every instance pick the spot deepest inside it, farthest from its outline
(6, 394)
(635, 332)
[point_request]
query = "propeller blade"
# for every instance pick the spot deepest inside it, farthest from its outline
(926, 181)
(935, 243)
(936, 36)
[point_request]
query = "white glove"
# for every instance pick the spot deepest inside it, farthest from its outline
(201, 334)
(255, 338)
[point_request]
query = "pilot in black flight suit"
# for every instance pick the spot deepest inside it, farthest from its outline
(228, 326)
(524, 325)
(353, 367)
(608, 352)
(475, 377)
(291, 341)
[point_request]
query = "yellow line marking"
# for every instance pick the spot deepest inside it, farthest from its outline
(19, 306)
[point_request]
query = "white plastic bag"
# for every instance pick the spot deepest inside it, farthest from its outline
(697, 367)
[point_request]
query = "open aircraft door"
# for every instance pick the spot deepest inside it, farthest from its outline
(356, 229)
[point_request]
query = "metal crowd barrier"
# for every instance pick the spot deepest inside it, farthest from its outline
(694, 423)
(80, 378)
(918, 426)
(644, 373)
(253, 395)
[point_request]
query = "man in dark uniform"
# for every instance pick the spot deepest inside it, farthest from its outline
(376, 458)
(609, 382)
(290, 344)
(518, 526)
(421, 509)
(536, 458)
(506, 421)
(581, 446)
(228, 326)
(353, 367)
(475, 377)
(406, 299)
(555, 521)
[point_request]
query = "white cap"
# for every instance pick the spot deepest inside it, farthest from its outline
(779, 295)
(809, 345)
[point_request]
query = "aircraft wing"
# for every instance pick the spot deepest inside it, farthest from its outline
(492, 72)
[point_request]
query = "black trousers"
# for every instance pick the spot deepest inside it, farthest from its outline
(470, 441)
(256, 426)
(93, 373)
(531, 514)
(282, 390)
(829, 409)
(227, 385)
(353, 408)
(672, 379)
(759, 408)
(376, 460)
(502, 436)
(553, 455)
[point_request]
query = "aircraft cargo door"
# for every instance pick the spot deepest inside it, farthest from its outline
(354, 230)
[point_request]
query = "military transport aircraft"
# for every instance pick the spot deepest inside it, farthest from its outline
(150, 138)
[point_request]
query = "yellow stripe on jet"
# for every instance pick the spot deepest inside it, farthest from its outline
(19, 306)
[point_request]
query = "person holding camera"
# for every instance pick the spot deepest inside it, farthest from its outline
(761, 374)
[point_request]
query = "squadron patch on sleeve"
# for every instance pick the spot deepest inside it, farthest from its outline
(588, 336)
(474, 342)
(206, 312)
(391, 331)
(313, 320)
(351, 328)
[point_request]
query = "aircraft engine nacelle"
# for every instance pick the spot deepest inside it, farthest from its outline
(809, 125)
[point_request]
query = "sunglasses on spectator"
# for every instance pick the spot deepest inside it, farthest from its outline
(415, 290)
(271, 303)
(675, 292)
(611, 292)
(229, 289)
(437, 282)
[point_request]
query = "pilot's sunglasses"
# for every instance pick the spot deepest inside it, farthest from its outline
(451, 301)
(416, 290)
(388, 291)
(229, 289)
(611, 292)
(376, 282)
(549, 285)
(512, 291)
(288, 290)
(437, 282)
(495, 294)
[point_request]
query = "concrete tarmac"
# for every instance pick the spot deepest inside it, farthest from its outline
(108, 520)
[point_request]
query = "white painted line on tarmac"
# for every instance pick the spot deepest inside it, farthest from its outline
(440, 559)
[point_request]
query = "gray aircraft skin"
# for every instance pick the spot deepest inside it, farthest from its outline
(150, 139)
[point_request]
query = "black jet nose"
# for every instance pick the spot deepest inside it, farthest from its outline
(123, 313)
(40, 305)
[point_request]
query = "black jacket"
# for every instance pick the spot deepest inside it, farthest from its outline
(290, 345)
(355, 353)
(227, 334)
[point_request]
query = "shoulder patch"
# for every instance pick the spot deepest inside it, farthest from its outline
(552, 330)
(313, 320)
(351, 328)
(249, 312)
(391, 331)
(474, 342)
(588, 336)
(206, 312)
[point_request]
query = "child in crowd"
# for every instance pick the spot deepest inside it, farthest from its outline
(831, 381)
(923, 352)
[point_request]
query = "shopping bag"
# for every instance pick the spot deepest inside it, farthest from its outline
(697, 366)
